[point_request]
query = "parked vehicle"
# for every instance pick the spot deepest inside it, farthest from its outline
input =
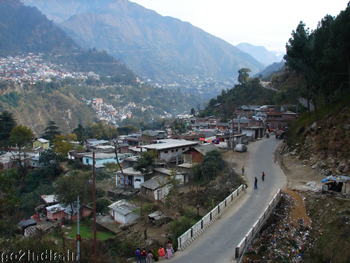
(279, 134)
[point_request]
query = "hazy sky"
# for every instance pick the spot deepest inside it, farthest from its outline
(267, 23)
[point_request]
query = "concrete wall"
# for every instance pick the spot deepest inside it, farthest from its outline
(170, 154)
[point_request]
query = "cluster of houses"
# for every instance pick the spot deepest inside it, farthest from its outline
(175, 155)
(31, 68)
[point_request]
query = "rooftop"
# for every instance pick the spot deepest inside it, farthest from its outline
(168, 143)
(49, 199)
(122, 207)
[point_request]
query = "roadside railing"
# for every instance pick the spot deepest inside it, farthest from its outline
(242, 246)
(196, 230)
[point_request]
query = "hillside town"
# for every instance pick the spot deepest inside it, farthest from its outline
(32, 68)
(115, 115)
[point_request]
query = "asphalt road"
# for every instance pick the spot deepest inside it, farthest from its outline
(218, 242)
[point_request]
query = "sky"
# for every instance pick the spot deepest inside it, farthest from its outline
(267, 23)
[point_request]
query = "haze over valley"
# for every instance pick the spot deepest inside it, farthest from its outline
(161, 50)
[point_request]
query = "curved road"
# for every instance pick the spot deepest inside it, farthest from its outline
(218, 242)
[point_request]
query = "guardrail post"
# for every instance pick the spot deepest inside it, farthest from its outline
(218, 209)
(191, 232)
(225, 202)
(237, 252)
(211, 216)
(231, 197)
(202, 224)
(237, 191)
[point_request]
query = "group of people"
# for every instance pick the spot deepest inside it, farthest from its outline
(144, 257)
(256, 180)
(169, 250)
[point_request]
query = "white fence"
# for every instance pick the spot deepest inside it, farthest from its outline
(242, 246)
(197, 229)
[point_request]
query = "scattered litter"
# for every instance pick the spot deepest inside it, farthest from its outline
(312, 186)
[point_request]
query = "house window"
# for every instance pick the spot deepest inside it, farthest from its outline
(183, 149)
(165, 151)
(87, 161)
(137, 180)
(177, 149)
(172, 151)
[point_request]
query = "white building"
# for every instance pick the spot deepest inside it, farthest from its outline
(132, 178)
(170, 150)
(123, 212)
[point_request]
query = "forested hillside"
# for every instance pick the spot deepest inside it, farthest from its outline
(25, 29)
(317, 71)
(247, 92)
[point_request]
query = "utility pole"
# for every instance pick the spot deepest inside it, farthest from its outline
(78, 232)
(94, 205)
(120, 167)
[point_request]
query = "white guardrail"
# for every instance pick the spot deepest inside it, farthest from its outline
(197, 229)
(242, 246)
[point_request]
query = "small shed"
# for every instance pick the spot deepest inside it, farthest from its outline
(335, 183)
(197, 153)
(123, 212)
(155, 188)
(45, 144)
(55, 212)
(27, 224)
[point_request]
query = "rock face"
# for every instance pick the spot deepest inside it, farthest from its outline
(326, 145)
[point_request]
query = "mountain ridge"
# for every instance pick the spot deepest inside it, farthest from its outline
(156, 47)
(260, 53)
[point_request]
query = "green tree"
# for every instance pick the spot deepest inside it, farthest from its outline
(48, 156)
(7, 122)
(22, 137)
(340, 41)
(51, 131)
(210, 167)
(79, 131)
(69, 187)
(173, 196)
(243, 75)
(62, 145)
(9, 202)
(298, 57)
(193, 112)
(146, 162)
(96, 131)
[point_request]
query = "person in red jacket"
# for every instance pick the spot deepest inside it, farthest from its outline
(143, 256)
(161, 252)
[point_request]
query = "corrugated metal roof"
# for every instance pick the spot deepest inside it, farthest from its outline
(168, 143)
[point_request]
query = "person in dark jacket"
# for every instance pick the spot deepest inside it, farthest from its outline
(256, 183)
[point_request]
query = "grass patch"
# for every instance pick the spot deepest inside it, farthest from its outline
(86, 232)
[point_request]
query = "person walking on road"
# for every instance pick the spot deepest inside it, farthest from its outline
(256, 183)
(263, 176)
(169, 250)
(242, 170)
